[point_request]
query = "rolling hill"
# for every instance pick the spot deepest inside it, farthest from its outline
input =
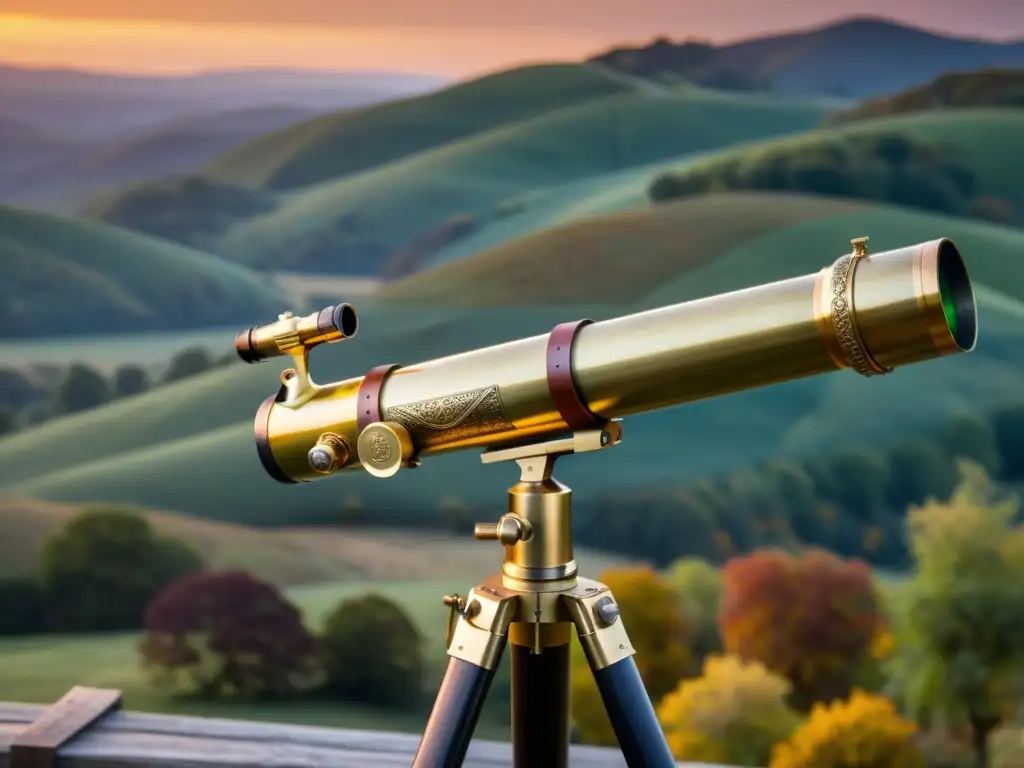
(89, 106)
(60, 175)
(989, 142)
(190, 446)
(855, 58)
(355, 224)
(352, 141)
(956, 90)
(70, 276)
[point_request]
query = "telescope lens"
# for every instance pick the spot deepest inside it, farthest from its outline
(957, 297)
(345, 320)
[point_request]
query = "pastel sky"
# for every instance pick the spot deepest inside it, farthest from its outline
(447, 37)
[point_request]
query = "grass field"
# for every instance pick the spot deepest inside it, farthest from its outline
(284, 556)
(42, 669)
(177, 449)
(62, 275)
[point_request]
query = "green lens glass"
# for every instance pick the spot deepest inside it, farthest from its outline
(948, 307)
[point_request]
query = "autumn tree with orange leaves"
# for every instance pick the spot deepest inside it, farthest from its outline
(811, 619)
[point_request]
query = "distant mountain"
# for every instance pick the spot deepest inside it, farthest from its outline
(64, 133)
(87, 105)
(57, 174)
(856, 58)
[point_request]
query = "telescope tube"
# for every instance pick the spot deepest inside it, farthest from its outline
(871, 313)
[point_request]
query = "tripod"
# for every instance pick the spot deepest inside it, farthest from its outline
(533, 603)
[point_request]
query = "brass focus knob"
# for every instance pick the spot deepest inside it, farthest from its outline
(385, 447)
(509, 530)
(330, 453)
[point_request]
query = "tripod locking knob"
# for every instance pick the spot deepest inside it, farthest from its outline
(607, 610)
(509, 530)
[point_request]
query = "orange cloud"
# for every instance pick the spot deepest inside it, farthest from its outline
(174, 47)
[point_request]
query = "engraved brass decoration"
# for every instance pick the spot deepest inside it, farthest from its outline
(466, 414)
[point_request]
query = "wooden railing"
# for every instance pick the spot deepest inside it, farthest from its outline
(87, 729)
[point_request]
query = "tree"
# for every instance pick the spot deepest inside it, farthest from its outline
(732, 715)
(967, 436)
(811, 619)
(864, 731)
(189, 362)
(652, 616)
(373, 652)
(8, 421)
(16, 389)
(131, 380)
(22, 607)
(698, 585)
(1008, 424)
(228, 635)
(104, 567)
(81, 389)
(919, 469)
(959, 655)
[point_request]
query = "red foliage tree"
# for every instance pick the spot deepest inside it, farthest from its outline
(811, 619)
(229, 634)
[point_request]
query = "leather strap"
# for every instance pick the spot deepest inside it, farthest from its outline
(561, 384)
(368, 398)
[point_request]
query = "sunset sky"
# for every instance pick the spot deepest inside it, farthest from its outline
(446, 37)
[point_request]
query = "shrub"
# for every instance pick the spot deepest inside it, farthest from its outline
(105, 566)
(653, 617)
(811, 619)
(188, 362)
(372, 652)
(864, 731)
(698, 585)
(8, 421)
(228, 635)
(732, 715)
(81, 389)
(22, 607)
(130, 380)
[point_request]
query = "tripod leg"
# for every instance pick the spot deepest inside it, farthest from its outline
(610, 655)
(453, 719)
(477, 645)
(540, 696)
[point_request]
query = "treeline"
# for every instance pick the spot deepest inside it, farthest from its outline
(39, 393)
(888, 168)
(852, 502)
(209, 634)
(985, 88)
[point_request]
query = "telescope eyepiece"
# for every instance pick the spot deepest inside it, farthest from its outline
(290, 335)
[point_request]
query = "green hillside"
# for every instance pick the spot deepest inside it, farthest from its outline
(696, 247)
(958, 90)
(354, 140)
(69, 276)
(177, 449)
(981, 139)
(494, 176)
(989, 142)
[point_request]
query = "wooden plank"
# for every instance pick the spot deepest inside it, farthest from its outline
(133, 740)
(36, 746)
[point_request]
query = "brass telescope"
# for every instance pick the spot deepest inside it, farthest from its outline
(869, 313)
(536, 399)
